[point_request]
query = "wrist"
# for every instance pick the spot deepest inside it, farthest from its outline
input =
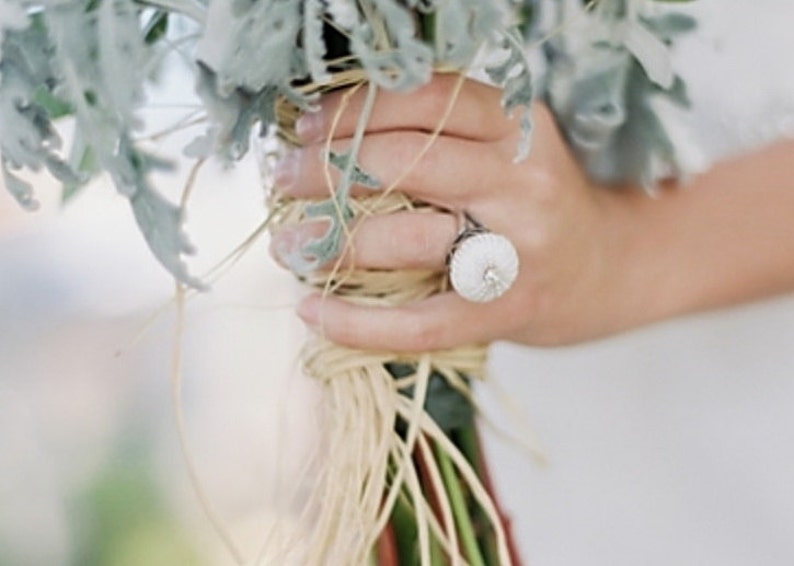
(722, 240)
(641, 286)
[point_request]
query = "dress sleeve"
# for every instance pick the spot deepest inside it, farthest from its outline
(739, 74)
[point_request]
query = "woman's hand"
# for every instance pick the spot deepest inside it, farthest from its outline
(593, 261)
(544, 205)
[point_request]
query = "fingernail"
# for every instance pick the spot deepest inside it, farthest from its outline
(309, 310)
(286, 246)
(309, 126)
(286, 172)
(281, 244)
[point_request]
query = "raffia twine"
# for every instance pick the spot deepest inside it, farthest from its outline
(366, 465)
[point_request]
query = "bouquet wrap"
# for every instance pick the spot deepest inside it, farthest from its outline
(382, 445)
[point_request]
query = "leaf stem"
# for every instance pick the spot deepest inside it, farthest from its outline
(341, 196)
(466, 439)
(459, 509)
(358, 137)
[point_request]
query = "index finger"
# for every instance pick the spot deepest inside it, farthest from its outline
(465, 108)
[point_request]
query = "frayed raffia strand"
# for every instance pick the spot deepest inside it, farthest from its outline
(367, 464)
(346, 499)
(469, 475)
(354, 499)
(179, 417)
(180, 296)
(437, 485)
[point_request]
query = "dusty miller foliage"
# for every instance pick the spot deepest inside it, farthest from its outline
(86, 58)
(90, 59)
(607, 75)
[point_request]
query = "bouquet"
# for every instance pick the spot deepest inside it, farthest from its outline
(403, 478)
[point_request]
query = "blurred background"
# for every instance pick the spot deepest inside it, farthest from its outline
(90, 462)
(672, 445)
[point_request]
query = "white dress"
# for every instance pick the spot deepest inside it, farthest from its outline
(673, 445)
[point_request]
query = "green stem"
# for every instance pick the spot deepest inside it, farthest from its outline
(459, 509)
(467, 440)
(403, 521)
(437, 557)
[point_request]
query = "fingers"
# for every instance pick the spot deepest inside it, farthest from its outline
(403, 240)
(439, 322)
(460, 165)
(444, 170)
(472, 110)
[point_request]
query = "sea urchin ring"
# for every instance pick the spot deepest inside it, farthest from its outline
(482, 265)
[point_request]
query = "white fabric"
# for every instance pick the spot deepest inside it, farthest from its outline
(673, 445)
(740, 73)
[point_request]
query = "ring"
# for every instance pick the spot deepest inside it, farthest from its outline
(482, 265)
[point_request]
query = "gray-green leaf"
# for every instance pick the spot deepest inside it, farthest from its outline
(357, 176)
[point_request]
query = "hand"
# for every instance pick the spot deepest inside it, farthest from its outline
(544, 205)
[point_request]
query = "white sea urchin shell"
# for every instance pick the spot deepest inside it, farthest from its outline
(483, 267)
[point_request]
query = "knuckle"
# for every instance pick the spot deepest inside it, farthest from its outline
(343, 328)
(410, 159)
(542, 181)
(417, 243)
(411, 146)
(423, 333)
(435, 96)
